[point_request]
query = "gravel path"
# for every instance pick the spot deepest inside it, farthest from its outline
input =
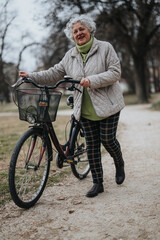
(127, 212)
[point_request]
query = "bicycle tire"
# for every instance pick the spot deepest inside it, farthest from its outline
(80, 166)
(26, 181)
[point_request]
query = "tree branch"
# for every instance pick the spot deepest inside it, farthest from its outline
(152, 33)
(4, 36)
(20, 56)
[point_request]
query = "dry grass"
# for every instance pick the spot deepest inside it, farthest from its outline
(131, 99)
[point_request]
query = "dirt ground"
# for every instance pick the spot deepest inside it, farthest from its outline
(127, 212)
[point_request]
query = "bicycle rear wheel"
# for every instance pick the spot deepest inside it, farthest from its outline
(80, 167)
(28, 177)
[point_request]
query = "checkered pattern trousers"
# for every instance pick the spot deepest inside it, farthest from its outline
(97, 132)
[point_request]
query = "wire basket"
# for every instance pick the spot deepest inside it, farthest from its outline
(33, 105)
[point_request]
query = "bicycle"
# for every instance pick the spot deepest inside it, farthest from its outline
(30, 162)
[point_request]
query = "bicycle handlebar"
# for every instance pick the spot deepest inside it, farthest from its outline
(66, 79)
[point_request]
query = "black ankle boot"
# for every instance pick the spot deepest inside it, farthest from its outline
(95, 190)
(120, 174)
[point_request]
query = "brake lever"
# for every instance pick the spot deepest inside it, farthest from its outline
(77, 89)
(72, 88)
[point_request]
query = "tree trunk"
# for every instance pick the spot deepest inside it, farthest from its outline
(4, 88)
(142, 83)
(6, 93)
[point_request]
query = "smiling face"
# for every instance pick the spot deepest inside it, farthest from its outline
(81, 33)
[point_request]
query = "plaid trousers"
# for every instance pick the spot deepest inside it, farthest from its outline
(97, 132)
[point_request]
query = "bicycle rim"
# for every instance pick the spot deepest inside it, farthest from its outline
(27, 180)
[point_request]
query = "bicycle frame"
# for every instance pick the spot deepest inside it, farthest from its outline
(65, 151)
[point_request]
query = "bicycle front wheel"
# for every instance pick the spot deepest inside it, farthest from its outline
(80, 167)
(29, 168)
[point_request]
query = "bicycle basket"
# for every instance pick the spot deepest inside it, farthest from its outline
(33, 104)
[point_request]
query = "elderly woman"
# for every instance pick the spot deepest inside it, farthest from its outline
(96, 64)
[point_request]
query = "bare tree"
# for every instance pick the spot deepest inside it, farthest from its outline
(9, 70)
(5, 25)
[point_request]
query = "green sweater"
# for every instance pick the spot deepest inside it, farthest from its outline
(87, 109)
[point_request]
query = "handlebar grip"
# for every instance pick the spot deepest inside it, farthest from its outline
(70, 79)
(77, 81)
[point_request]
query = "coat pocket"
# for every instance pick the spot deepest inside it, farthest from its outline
(100, 95)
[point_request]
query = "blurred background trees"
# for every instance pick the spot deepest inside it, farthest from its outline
(9, 69)
(131, 26)
(4, 28)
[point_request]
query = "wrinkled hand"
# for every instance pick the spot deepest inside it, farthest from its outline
(85, 82)
(23, 74)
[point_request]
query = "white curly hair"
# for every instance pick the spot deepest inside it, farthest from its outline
(85, 20)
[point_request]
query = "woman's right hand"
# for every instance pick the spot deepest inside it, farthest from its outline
(23, 74)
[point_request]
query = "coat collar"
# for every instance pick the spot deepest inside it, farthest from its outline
(75, 52)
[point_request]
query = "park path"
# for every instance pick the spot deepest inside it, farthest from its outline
(130, 211)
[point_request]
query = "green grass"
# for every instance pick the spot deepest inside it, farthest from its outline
(130, 99)
(156, 106)
(58, 176)
(8, 107)
(4, 189)
(7, 143)
(154, 99)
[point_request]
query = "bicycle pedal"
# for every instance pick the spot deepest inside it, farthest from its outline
(69, 160)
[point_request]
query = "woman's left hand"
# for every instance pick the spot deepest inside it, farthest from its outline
(85, 82)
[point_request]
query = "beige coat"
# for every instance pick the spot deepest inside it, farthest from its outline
(101, 67)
